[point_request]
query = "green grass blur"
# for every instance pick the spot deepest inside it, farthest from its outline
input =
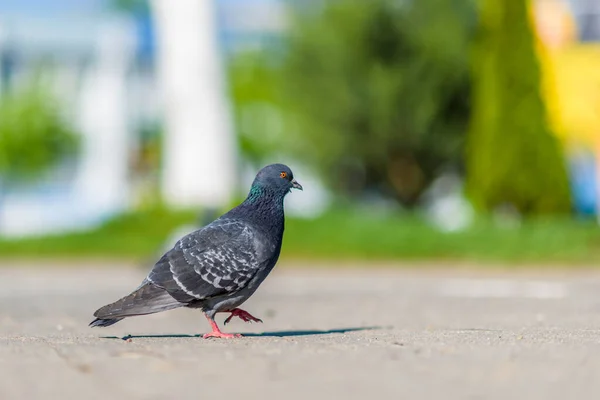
(347, 234)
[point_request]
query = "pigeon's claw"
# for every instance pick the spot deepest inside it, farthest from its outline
(243, 315)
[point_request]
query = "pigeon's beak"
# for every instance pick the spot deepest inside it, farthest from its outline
(296, 185)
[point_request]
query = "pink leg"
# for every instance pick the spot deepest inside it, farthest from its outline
(243, 315)
(216, 332)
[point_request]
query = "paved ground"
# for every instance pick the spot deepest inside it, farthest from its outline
(350, 334)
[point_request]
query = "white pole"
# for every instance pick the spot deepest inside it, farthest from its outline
(199, 155)
(102, 180)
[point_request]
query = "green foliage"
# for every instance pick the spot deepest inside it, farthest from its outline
(33, 136)
(254, 83)
(513, 158)
(373, 94)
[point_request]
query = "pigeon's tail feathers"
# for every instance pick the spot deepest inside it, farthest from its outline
(104, 322)
(147, 299)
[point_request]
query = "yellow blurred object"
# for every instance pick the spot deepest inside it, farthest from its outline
(577, 78)
(571, 74)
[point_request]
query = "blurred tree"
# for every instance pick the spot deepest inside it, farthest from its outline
(512, 156)
(372, 94)
(133, 6)
(254, 80)
(33, 136)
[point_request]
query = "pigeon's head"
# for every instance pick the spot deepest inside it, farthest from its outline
(278, 178)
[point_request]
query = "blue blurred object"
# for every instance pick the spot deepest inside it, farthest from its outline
(146, 38)
(244, 24)
(44, 6)
(582, 174)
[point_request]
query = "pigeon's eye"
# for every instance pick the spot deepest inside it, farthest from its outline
(283, 174)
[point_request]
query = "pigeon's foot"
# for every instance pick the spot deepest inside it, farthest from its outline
(216, 332)
(221, 335)
(243, 315)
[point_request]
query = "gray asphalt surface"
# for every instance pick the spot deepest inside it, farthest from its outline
(327, 334)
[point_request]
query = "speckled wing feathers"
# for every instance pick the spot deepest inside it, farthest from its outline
(216, 260)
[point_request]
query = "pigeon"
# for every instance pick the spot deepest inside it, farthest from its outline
(219, 266)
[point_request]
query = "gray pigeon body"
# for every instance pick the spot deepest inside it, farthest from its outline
(218, 267)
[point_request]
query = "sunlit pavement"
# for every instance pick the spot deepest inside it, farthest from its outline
(338, 333)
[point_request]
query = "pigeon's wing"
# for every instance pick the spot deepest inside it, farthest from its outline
(146, 299)
(218, 259)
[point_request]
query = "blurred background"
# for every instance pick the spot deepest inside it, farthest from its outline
(430, 129)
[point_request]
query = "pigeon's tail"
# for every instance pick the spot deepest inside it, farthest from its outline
(147, 299)
(104, 322)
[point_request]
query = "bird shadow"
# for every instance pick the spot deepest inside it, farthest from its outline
(249, 334)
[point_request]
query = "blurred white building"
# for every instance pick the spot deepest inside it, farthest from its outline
(101, 65)
(87, 59)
